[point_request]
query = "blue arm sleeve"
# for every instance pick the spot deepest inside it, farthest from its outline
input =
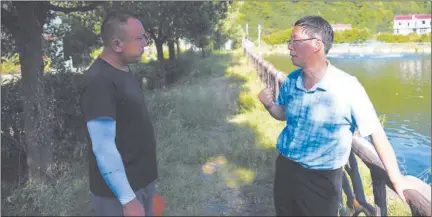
(102, 133)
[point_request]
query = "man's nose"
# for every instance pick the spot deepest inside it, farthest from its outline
(290, 46)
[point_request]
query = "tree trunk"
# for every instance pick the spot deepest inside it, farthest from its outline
(171, 50)
(203, 52)
(37, 131)
(160, 55)
(178, 47)
(159, 50)
(116, 5)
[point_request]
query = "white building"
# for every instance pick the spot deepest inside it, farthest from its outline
(412, 23)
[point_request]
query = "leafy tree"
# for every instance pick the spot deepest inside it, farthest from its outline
(352, 35)
(80, 40)
(24, 22)
(203, 23)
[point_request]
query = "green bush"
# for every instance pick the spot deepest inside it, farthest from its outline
(95, 53)
(412, 37)
(425, 38)
(10, 64)
(352, 36)
(62, 92)
(150, 70)
(278, 37)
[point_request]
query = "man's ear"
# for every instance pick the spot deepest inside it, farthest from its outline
(318, 46)
(117, 45)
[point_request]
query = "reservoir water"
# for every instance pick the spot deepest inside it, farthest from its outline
(399, 86)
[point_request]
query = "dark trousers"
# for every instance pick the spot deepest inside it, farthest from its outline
(299, 191)
(104, 206)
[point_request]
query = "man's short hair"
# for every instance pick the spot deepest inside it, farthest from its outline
(316, 26)
(112, 25)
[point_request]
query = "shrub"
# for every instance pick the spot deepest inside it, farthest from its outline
(352, 36)
(395, 38)
(10, 64)
(65, 119)
(154, 77)
(278, 37)
(95, 53)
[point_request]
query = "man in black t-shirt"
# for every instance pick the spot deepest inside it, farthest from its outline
(123, 165)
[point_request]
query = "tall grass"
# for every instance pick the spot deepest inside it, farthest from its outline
(208, 164)
(211, 164)
(216, 149)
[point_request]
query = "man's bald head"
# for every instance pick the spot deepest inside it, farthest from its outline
(124, 37)
(113, 26)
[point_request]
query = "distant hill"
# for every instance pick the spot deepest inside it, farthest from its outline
(376, 16)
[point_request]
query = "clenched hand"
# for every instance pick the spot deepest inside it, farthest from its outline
(133, 208)
(266, 97)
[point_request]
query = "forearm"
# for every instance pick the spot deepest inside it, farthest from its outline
(109, 159)
(276, 112)
(112, 169)
(386, 153)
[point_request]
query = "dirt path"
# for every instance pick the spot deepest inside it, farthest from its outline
(209, 165)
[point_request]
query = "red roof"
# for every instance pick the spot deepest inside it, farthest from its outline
(410, 16)
(423, 16)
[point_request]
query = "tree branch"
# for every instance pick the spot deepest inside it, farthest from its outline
(75, 9)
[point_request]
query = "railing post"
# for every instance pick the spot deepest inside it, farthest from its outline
(379, 189)
(347, 189)
(360, 198)
(356, 179)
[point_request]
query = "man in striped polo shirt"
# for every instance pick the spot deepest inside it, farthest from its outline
(322, 106)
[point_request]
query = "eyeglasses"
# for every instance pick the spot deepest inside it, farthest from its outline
(292, 41)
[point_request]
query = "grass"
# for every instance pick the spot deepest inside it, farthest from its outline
(216, 149)
(211, 162)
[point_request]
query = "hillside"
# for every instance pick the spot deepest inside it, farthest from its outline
(376, 16)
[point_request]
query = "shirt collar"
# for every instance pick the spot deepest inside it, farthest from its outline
(323, 84)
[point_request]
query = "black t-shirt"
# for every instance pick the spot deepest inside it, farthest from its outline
(110, 92)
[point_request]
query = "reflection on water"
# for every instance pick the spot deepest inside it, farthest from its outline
(415, 71)
(399, 86)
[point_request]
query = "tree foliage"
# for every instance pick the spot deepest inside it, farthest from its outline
(391, 38)
(352, 35)
(24, 23)
(376, 16)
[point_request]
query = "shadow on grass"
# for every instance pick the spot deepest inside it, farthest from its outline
(210, 161)
(214, 153)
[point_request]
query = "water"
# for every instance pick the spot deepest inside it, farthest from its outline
(399, 86)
